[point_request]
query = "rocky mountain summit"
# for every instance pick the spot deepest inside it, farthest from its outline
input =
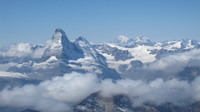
(138, 64)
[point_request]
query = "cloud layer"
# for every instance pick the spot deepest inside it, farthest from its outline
(60, 93)
(166, 67)
(23, 50)
(12, 74)
(177, 62)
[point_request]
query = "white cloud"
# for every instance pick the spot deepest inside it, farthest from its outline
(56, 95)
(175, 63)
(157, 91)
(19, 50)
(12, 74)
(23, 50)
(60, 93)
(6, 66)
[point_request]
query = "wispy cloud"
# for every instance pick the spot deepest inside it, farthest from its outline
(12, 74)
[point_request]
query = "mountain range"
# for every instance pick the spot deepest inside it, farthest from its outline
(123, 58)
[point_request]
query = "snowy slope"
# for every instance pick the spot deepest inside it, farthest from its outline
(60, 56)
(144, 51)
(61, 47)
(139, 53)
(108, 60)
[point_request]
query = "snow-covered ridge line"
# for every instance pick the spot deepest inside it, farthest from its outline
(63, 56)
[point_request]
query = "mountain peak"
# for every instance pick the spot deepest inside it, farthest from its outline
(61, 47)
(82, 42)
(59, 39)
(142, 40)
(59, 36)
(188, 44)
(122, 38)
(124, 41)
(81, 38)
(59, 30)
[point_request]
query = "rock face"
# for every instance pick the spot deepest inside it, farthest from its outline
(62, 48)
(58, 57)
(119, 55)
(96, 60)
(29, 110)
(189, 73)
(95, 103)
(89, 50)
(121, 103)
(188, 44)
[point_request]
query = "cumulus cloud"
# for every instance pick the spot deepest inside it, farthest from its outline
(157, 91)
(56, 95)
(19, 50)
(173, 64)
(60, 93)
(23, 50)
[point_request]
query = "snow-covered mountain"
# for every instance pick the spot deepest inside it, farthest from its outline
(62, 48)
(57, 57)
(124, 41)
(131, 57)
(124, 58)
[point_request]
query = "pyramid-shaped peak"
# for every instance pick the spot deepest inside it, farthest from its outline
(59, 30)
(59, 36)
(62, 48)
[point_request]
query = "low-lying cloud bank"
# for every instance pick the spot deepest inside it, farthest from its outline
(176, 62)
(60, 93)
(167, 67)
(24, 50)
(12, 74)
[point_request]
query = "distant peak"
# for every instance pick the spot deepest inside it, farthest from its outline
(122, 38)
(142, 38)
(124, 41)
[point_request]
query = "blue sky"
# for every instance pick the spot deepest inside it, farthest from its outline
(34, 21)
